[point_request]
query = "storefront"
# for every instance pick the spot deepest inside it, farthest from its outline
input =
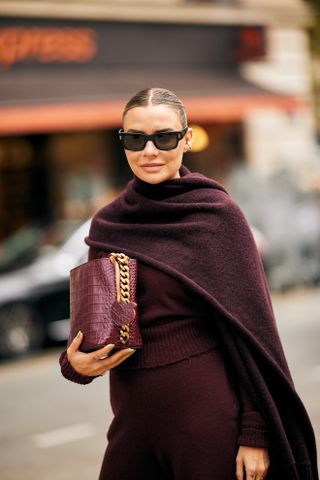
(63, 86)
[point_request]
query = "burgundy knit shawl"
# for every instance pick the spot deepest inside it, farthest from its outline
(191, 228)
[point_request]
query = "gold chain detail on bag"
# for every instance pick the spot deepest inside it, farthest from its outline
(121, 263)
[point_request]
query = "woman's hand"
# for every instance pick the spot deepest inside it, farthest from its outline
(254, 461)
(91, 364)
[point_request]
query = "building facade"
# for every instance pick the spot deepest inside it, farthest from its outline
(68, 68)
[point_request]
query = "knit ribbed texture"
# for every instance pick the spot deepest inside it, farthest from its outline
(169, 343)
(253, 430)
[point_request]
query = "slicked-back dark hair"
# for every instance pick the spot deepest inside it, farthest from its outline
(157, 96)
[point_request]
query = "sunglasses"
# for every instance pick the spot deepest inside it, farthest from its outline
(162, 140)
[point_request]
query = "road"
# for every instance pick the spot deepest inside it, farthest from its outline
(52, 429)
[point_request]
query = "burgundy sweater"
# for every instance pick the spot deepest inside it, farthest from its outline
(191, 228)
(175, 325)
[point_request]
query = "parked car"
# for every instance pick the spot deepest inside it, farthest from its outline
(34, 300)
(23, 246)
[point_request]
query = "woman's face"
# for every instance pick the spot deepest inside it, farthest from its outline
(148, 120)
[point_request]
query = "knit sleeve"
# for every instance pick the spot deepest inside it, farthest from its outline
(253, 429)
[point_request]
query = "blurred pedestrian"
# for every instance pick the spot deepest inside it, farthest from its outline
(210, 395)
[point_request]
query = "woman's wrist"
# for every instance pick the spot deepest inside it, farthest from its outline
(70, 373)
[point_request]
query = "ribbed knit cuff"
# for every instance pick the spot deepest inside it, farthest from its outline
(70, 373)
(254, 431)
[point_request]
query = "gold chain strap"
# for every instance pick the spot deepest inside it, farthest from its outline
(121, 263)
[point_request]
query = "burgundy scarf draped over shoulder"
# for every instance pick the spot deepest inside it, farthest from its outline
(191, 228)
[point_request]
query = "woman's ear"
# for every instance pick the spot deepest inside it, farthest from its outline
(188, 138)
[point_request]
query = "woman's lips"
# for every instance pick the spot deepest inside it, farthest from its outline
(152, 167)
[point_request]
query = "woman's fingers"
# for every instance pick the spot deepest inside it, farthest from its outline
(239, 468)
(116, 358)
(103, 352)
(255, 462)
(75, 344)
(97, 362)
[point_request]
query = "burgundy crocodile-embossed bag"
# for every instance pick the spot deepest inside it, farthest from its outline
(103, 303)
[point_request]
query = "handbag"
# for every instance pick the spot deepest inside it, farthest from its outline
(103, 303)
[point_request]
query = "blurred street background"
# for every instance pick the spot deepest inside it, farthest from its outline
(248, 72)
(56, 430)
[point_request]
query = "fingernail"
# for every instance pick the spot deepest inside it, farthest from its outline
(79, 334)
(130, 350)
(109, 347)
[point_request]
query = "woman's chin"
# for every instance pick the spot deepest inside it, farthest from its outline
(156, 177)
(152, 178)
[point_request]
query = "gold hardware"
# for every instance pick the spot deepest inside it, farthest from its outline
(122, 272)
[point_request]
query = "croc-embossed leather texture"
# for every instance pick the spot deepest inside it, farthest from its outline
(94, 308)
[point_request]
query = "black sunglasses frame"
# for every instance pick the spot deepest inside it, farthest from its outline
(153, 137)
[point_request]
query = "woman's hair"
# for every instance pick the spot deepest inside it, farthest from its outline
(157, 96)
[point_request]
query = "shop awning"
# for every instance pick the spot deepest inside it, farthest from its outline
(38, 101)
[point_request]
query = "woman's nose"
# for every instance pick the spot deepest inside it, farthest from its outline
(150, 148)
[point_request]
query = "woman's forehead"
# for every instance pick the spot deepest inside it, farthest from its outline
(152, 118)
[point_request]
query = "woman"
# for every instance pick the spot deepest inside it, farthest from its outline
(210, 395)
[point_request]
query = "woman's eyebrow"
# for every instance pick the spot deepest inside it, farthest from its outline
(165, 130)
(132, 130)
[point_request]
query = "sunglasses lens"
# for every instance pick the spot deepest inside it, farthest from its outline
(163, 141)
(134, 142)
(166, 141)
